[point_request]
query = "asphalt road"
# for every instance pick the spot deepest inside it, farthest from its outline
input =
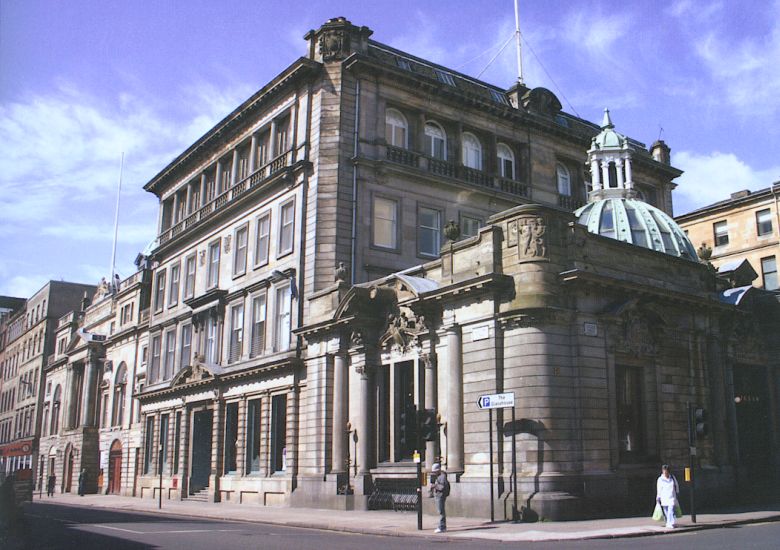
(51, 526)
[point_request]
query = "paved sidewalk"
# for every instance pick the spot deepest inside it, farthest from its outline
(405, 523)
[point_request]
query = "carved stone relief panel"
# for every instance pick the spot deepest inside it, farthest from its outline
(532, 239)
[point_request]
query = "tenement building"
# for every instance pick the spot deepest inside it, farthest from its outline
(371, 236)
(743, 228)
(90, 419)
(29, 339)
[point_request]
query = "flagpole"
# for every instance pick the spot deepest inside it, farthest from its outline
(112, 282)
(517, 40)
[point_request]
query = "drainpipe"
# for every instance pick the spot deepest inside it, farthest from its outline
(355, 147)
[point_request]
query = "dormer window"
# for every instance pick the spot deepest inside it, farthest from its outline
(444, 78)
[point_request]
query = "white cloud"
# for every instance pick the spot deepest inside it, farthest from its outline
(744, 69)
(713, 177)
(60, 166)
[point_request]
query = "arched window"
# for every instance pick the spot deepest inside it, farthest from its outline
(55, 410)
(120, 385)
(395, 129)
(564, 180)
(472, 151)
(506, 161)
(435, 141)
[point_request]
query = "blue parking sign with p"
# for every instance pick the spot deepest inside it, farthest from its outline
(486, 401)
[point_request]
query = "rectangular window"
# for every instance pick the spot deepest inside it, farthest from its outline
(258, 325)
(428, 231)
(469, 226)
(243, 163)
(154, 369)
(764, 222)
(127, 313)
(159, 296)
(283, 307)
(262, 239)
(231, 437)
(189, 277)
(211, 340)
(263, 141)
(385, 223)
(631, 438)
(225, 168)
(236, 333)
(279, 433)
(170, 354)
(163, 443)
(286, 227)
(173, 288)
(186, 346)
(176, 443)
(769, 273)
(213, 278)
(239, 254)
(149, 445)
(253, 419)
(721, 231)
(282, 136)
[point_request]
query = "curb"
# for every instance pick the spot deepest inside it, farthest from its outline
(553, 536)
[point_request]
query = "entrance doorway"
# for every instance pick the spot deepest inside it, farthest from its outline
(115, 468)
(68, 481)
(201, 450)
(751, 400)
(405, 417)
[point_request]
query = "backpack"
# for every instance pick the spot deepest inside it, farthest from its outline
(445, 489)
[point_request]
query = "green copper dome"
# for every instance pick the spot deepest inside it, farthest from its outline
(636, 222)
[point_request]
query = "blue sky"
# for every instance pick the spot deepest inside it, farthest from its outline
(85, 80)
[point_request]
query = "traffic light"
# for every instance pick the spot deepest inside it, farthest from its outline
(407, 429)
(428, 425)
(700, 422)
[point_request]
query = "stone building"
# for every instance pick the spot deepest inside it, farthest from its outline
(744, 227)
(30, 339)
(306, 304)
(8, 307)
(90, 416)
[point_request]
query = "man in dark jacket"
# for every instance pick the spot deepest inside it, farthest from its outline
(440, 490)
(82, 481)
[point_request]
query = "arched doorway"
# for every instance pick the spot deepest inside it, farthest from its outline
(67, 482)
(115, 468)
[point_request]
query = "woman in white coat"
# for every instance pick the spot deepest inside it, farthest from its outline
(666, 490)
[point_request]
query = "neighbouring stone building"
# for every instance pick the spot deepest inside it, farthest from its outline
(90, 416)
(744, 227)
(29, 340)
(305, 303)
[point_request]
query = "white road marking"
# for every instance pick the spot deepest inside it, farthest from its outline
(116, 528)
(161, 532)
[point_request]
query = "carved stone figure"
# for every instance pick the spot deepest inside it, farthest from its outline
(334, 44)
(452, 231)
(532, 238)
(342, 273)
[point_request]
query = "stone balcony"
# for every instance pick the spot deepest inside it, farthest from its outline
(257, 179)
(459, 172)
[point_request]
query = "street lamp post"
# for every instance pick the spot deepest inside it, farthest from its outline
(159, 469)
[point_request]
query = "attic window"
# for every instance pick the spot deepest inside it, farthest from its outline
(445, 78)
(498, 97)
(403, 63)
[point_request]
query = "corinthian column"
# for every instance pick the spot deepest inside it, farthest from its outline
(340, 390)
(88, 396)
(455, 400)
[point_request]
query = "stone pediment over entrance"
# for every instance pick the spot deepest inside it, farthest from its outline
(197, 372)
(381, 296)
